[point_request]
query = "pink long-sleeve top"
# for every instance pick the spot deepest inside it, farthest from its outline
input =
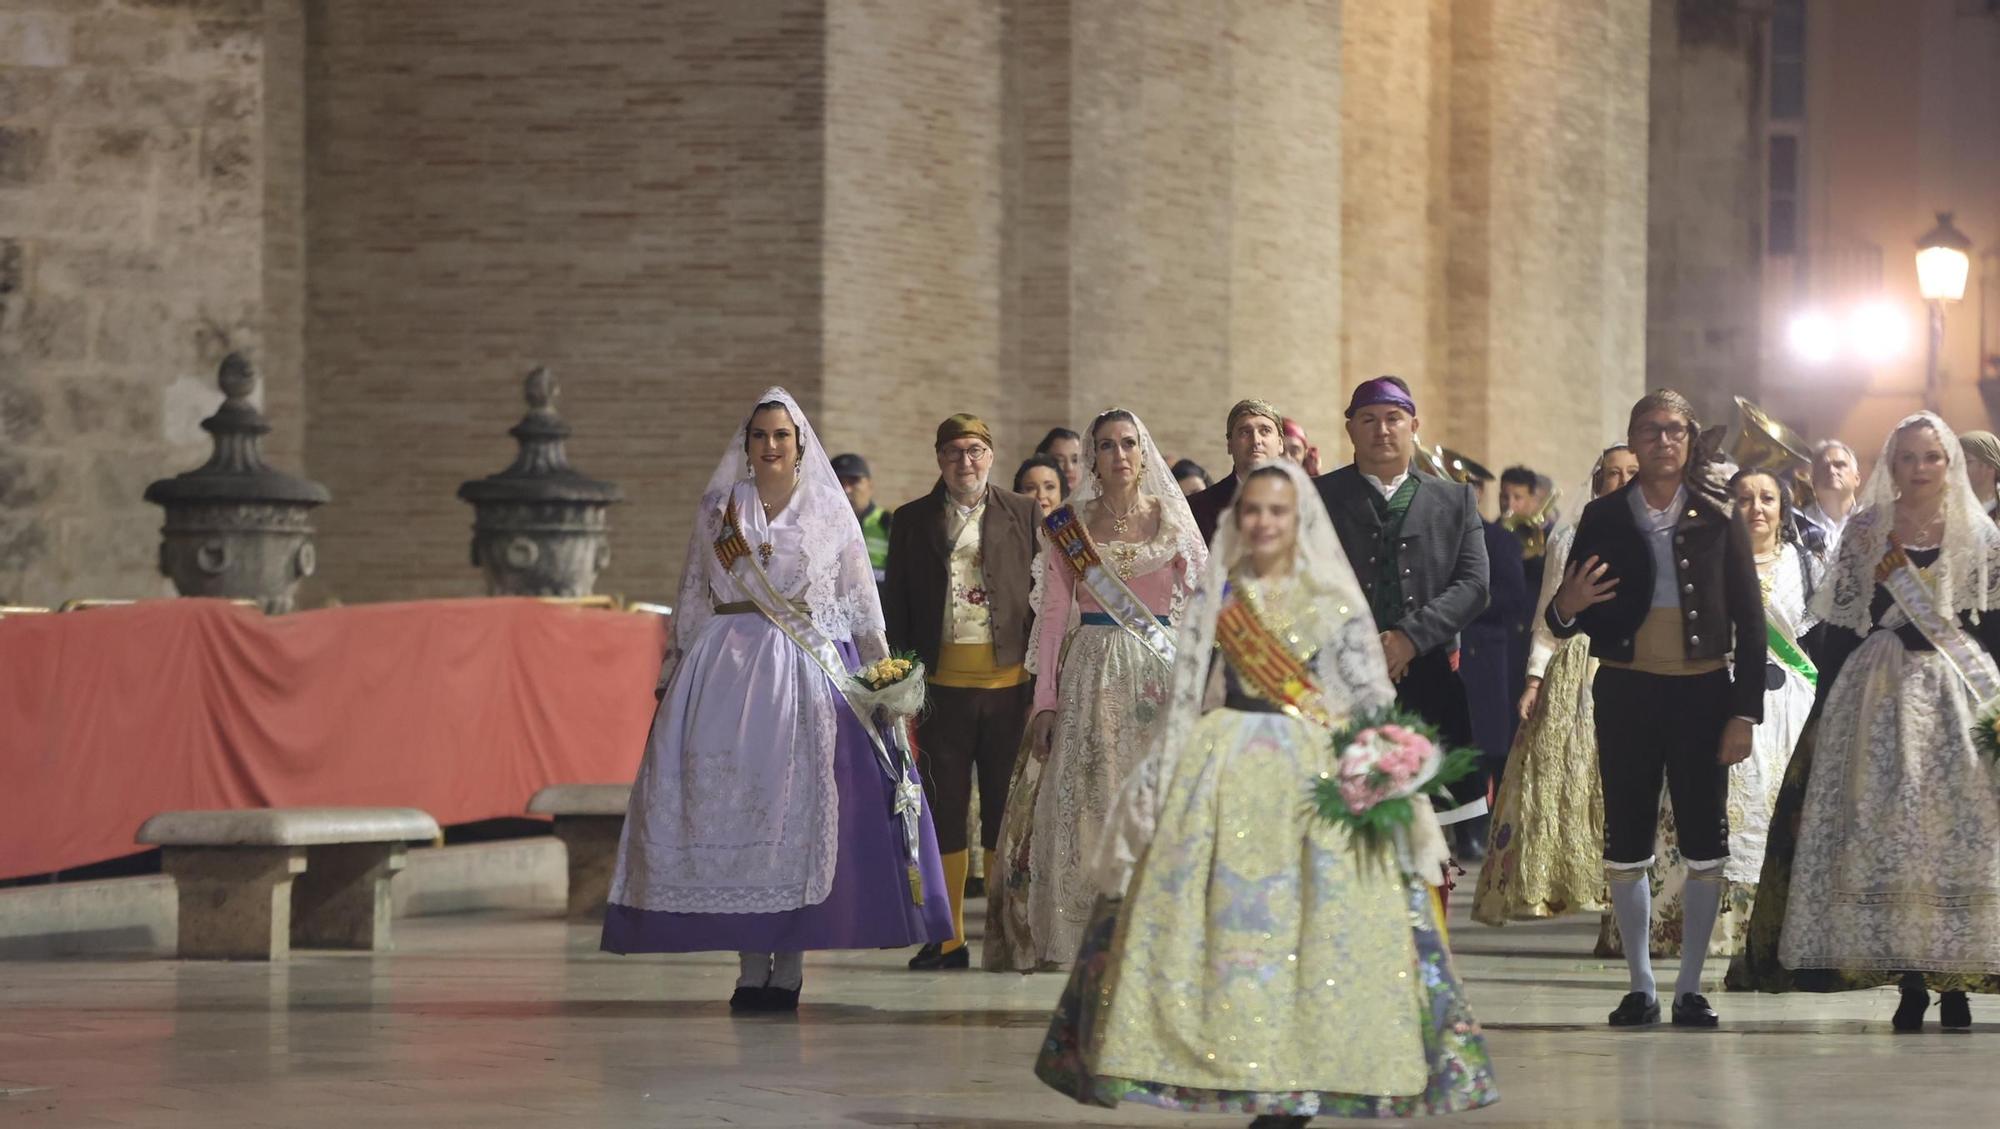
(1157, 568)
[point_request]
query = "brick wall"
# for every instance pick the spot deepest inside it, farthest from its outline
(1547, 266)
(134, 209)
(1034, 209)
(630, 194)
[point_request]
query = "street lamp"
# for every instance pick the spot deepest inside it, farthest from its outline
(1943, 261)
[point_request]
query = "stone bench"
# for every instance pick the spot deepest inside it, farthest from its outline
(589, 819)
(254, 882)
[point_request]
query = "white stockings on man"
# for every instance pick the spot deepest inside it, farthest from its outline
(1632, 905)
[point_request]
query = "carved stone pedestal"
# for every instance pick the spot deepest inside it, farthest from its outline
(589, 819)
(235, 902)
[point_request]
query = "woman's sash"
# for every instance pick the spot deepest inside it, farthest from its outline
(1075, 548)
(1785, 649)
(733, 550)
(1914, 596)
(1267, 665)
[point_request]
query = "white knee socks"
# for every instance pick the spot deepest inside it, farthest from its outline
(1632, 905)
(1701, 902)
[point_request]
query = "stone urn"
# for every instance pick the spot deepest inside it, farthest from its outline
(539, 526)
(237, 529)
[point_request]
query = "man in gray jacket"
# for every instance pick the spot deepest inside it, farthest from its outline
(1419, 550)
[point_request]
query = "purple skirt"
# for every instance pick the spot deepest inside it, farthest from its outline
(869, 905)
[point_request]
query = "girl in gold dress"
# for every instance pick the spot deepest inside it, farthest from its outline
(1547, 855)
(1239, 943)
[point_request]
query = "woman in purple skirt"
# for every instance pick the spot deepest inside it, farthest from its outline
(768, 817)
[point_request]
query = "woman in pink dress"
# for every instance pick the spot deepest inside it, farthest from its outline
(1120, 561)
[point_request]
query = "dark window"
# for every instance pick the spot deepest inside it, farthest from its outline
(1788, 60)
(1784, 165)
(1783, 229)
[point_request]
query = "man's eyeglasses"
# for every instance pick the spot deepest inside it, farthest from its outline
(1654, 432)
(974, 454)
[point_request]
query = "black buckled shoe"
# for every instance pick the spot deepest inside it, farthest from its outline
(1954, 1011)
(779, 999)
(1916, 1001)
(747, 999)
(1692, 1010)
(1278, 1121)
(933, 958)
(1637, 1009)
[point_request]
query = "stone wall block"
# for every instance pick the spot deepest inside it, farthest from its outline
(55, 327)
(23, 154)
(34, 39)
(118, 157)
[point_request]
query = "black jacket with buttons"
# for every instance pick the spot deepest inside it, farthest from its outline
(1443, 551)
(1722, 607)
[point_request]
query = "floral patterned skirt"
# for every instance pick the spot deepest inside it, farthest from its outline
(1251, 943)
(1112, 697)
(1460, 1072)
(1547, 857)
(1759, 967)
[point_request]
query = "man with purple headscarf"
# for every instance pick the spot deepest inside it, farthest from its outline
(1417, 545)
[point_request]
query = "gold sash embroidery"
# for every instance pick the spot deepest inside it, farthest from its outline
(1267, 665)
(1127, 610)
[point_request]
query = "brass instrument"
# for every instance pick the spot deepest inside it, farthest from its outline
(1533, 528)
(1430, 460)
(1764, 443)
(1460, 469)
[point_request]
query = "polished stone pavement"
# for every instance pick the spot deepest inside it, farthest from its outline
(505, 1020)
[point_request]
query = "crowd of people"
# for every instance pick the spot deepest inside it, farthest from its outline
(1729, 720)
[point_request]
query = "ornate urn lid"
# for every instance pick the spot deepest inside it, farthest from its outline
(540, 471)
(236, 472)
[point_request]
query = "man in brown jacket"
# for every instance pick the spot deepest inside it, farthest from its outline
(960, 561)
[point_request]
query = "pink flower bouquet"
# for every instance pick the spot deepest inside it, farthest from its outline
(1385, 761)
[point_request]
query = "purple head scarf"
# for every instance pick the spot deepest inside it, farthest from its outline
(1382, 390)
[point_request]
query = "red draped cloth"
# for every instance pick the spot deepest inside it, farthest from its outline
(463, 708)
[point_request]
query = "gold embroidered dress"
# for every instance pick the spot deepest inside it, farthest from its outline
(1547, 855)
(1254, 944)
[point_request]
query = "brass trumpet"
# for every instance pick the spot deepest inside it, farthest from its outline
(1533, 528)
(1764, 443)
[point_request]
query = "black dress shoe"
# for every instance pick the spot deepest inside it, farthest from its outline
(1692, 1010)
(933, 958)
(1279, 1121)
(779, 999)
(1954, 1011)
(747, 999)
(1916, 1001)
(1637, 1009)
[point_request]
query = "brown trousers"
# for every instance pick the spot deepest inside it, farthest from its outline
(962, 732)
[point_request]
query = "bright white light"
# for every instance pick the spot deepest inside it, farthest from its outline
(1941, 273)
(1813, 337)
(1877, 332)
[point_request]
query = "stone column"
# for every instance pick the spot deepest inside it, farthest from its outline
(1392, 201)
(1189, 254)
(1547, 228)
(235, 902)
(1705, 254)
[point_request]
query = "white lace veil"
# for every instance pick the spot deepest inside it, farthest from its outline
(840, 581)
(1349, 667)
(1966, 569)
(1156, 480)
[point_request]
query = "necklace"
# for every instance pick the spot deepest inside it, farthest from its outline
(1120, 523)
